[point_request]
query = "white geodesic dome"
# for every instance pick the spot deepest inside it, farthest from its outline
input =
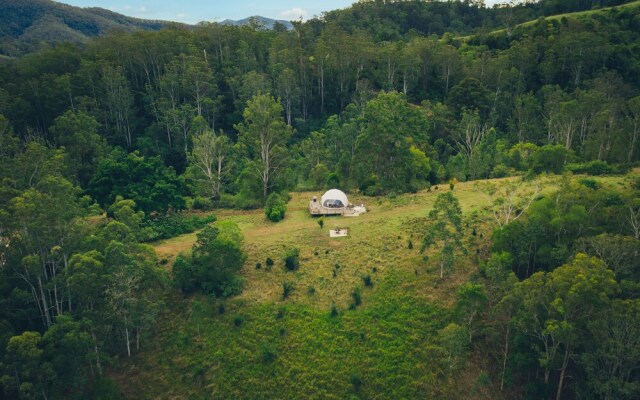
(334, 198)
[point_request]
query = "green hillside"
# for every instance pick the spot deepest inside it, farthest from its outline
(155, 240)
(28, 24)
(391, 345)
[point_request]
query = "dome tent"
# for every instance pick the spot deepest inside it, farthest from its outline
(334, 198)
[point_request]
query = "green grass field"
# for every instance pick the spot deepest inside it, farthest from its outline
(265, 347)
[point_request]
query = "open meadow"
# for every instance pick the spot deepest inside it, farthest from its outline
(388, 345)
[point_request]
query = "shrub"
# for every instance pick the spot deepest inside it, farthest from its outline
(595, 167)
(550, 158)
(287, 288)
(367, 280)
(183, 275)
(500, 171)
(311, 290)
(357, 296)
(292, 259)
(221, 308)
(170, 225)
(202, 203)
(238, 320)
(267, 353)
(356, 381)
(321, 222)
(590, 183)
(269, 262)
(214, 261)
(258, 265)
(232, 287)
(410, 245)
(334, 310)
(275, 207)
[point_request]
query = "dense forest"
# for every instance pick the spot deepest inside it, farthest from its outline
(113, 144)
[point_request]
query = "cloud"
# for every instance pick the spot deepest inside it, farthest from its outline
(294, 14)
(142, 9)
(127, 7)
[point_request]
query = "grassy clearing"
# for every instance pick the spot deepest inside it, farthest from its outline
(265, 347)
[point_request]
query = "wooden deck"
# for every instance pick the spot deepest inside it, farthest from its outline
(317, 209)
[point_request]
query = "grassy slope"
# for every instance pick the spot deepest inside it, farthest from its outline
(575, 15)
(387, 342)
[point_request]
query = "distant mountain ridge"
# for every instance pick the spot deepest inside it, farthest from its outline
(267, 23)
(28, 24)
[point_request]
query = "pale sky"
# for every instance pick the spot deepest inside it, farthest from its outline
(192, 11)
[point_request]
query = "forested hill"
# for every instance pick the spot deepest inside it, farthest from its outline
(26, 24)
(393, 19)
(406, 106)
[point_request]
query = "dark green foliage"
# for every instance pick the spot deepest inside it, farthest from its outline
(292, 259)
(232, 286)
(215, 259)
(356, 381)
(590, 183)
(367, 280)
(386, 159)
(166, 226)
(202, 203)
(287, 288)
(321, 222)
(470, 94)
(184, 275)
(553, 225)
(258, 265)
(221, 308)
(356, 295)
(311, 290)
(445, 230)
(550, 158)
(269, 262)
(562, 91)
(334, 310)
(238, 321)
(410, 245)
(145, 180)
(275, 207)
(267, 353)
(333, 180)
(595, 167)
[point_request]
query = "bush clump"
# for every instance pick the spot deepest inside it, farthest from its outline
(334, 310)
(170, 225)
(287, 288)
(275, 207)
(213, 262)
(292, 259)
(595, 167)
(267, 353)
(356, 296)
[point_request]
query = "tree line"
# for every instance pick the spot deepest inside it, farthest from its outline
(570, 82)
